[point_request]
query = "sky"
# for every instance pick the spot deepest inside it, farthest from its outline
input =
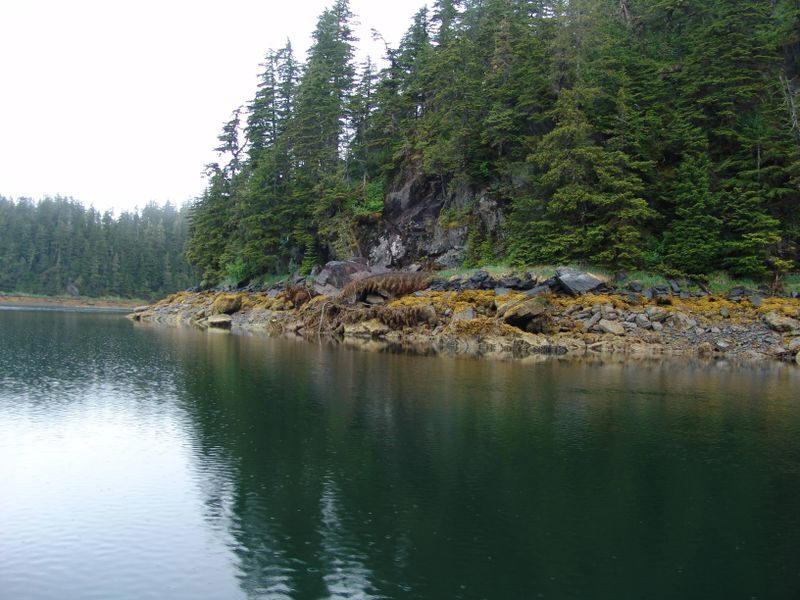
(119, 103)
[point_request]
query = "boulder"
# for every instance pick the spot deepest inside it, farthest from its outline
(226, 304)
(531, 315)
(463, 315)
(780, 323)
(656, 314)
(220, 321)
(366, 329)
(793, 345)
(577, 282)
(338, 273)
(613, 327)
(705, 349)
(642, 321)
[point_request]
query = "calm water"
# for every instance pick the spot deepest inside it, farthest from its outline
(158, 463)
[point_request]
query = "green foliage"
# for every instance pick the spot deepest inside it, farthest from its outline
(56, 246)
(662, 136)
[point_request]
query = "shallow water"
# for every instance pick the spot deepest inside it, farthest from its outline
(138, 462)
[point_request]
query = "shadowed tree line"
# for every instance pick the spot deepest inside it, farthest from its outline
(659, 134)
(57, 246)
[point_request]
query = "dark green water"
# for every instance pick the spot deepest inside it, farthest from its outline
(159, 463)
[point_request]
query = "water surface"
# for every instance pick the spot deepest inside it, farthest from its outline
(138, 462)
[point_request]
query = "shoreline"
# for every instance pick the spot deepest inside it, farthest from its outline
(506, 325)
(59, 302)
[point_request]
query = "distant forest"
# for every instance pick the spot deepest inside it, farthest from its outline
(56, 246)
(657, 134)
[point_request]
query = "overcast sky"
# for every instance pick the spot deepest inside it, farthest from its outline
(119, 103)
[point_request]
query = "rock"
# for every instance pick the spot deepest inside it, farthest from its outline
(366, 329)
(756, 301)
(674, 286)
(219, 321)
(797, 358)
(793, 345)
(657, 326)
(226, 304)
(654, 313)
(724, 313)
(613, 327)
(780, 323)
(636, 287)
(141, 308)
(337, 274)
(538, 290)
(514, 283)
(502, 291)
(642, 321)
(531, 315)
(680, 321)
(375, 299)
(705, 349)
(463, 315)
(739, 292)
(722, 345)
(577, 282)
(587, 325)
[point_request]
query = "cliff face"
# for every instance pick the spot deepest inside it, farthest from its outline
(425, 219)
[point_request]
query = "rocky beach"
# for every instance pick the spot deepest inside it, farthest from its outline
(573, 314)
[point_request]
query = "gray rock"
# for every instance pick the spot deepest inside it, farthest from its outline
(337, 274)
(724, 313)
(538, 290)
(722, 345)
(464, 315)
(642, 321)
(220, 321)
(793, 345)
(587, 325)
(657, 326)
(501, 291)
(613, 327)
(375, 299)
(656, 314)
(780, 323)
(577, 282)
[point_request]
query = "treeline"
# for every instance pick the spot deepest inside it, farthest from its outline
(56, 246)
(627, 133)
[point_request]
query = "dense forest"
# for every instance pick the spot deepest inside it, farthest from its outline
(657, 134)
(56, 246)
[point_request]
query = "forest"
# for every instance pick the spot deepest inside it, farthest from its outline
(56, 246)
(651, 134)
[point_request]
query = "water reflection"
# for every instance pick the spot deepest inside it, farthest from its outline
(324, 472)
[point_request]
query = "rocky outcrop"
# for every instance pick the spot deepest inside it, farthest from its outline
(425, 217)
(577, 282)
(225, 304)
(511, 324)
(781, 323)
(336, 275)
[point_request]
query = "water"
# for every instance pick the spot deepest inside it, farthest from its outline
(139, 462)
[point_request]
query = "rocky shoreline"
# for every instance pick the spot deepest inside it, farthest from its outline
(61, 302)
(574, 314)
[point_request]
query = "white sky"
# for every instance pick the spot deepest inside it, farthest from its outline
(119, 103)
